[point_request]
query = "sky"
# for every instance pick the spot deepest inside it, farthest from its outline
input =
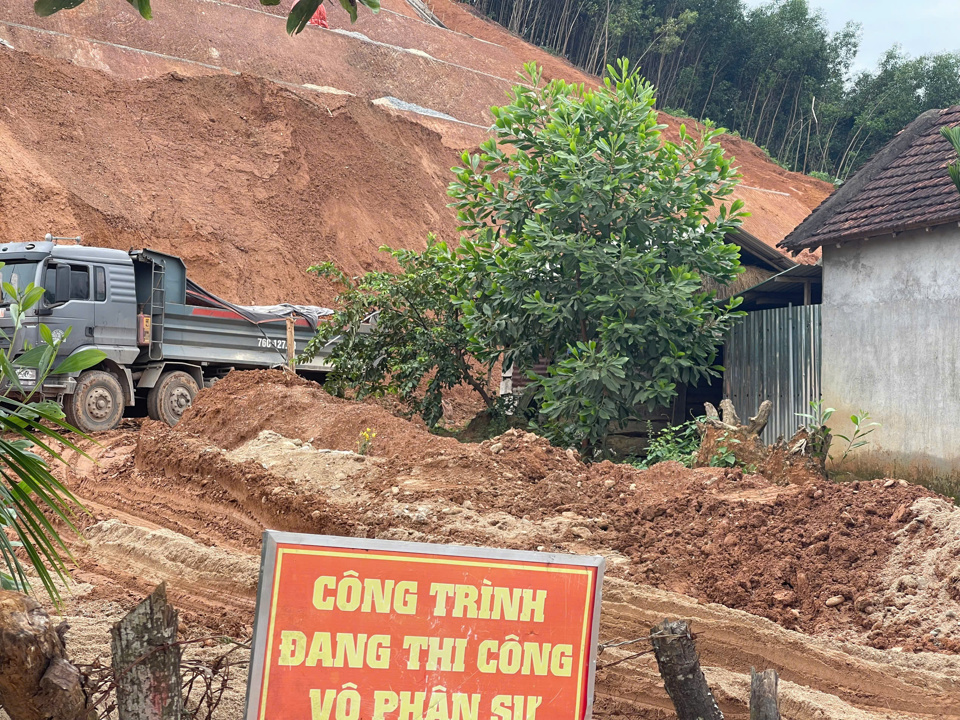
(920, 26)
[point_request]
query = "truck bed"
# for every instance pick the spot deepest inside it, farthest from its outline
(224, 336)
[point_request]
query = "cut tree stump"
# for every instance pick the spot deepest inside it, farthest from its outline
(37, 681)
(802, 459)
(146, 661)
(679, 667)
(763, 695)
(730, 435)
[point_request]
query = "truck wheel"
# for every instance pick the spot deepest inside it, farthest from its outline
(169, 399)
(97, 403)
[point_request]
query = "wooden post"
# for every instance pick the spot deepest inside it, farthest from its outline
(37, 681)
(291, 343)
(146, 661)
(680, 669)
(763, 695)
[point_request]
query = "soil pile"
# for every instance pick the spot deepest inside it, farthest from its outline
(920, 584)
(266, 449)
(246, 180)
(809, 557)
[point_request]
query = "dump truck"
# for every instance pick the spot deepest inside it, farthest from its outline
(164, 336)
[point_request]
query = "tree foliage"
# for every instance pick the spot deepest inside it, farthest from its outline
(589, 237)
(297, 20)
(774, 73)
(400, 333)
(29, 493)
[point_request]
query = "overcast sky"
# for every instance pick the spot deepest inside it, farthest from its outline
(920, 26)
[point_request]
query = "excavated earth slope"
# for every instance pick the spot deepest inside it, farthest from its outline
(752, 563)
(261, 154)
(246, 180)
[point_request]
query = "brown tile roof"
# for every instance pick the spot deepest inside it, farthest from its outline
(904, 187)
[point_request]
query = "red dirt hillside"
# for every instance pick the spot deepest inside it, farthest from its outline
(251, 177)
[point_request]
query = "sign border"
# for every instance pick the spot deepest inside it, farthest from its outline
(268, 554)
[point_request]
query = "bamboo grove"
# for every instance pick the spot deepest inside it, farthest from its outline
(774, 74)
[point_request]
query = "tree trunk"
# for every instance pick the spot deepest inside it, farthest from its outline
(146, 661)
(680, 669)
(37, 681)
(763, 695)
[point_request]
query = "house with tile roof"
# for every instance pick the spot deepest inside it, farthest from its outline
(890, 241)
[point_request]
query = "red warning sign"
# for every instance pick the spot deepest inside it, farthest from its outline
(351, 629)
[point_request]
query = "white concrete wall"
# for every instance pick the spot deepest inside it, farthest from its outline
(891, 345)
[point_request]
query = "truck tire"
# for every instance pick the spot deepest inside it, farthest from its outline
(96, 404)
(171, 396)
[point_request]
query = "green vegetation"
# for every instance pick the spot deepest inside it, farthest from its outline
(676, 443)
(857, 439)
(29, 494)
(588, 238)
(365, 441)
(587, 243)
(724, 456)
(817, 420)
(299, 16)
(774, 73)
(952, 134)
(825, 177)
(418, 345)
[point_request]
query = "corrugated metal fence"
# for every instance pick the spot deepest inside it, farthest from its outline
(775, 355)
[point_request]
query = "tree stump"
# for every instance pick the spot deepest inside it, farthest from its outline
(679, 667)
(146, 661)
(37, 681)
(729, 435)
(763, 695)
(801, 459)
(727, 442)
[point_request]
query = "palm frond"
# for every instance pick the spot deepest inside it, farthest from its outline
(952, 134)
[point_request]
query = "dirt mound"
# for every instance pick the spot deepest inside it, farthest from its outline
(920, 584)
(777, 199)
(252, 179)
(266, 449)
(239, 407)
(806, 556)
(246, 180)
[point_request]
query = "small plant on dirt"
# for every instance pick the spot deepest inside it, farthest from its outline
(816, 424)
(862, 426)
(365, 442)
(818, 415)
(677, 443)
(724, 457)
(819, 437)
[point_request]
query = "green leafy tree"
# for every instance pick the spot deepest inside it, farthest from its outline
(29, 493)
(299, 16)
(400, 333)
(590, 237)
